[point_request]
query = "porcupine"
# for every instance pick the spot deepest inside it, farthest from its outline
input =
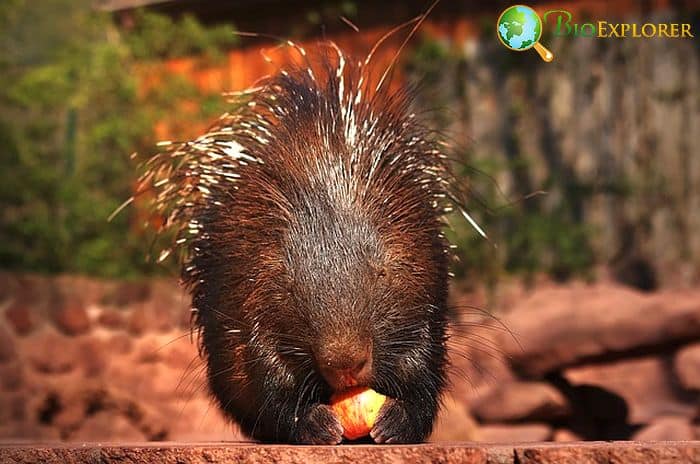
(311, 221)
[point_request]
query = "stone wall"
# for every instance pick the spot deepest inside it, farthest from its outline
(89, 360)
(584, 362)
(217, 453)
(608, 129)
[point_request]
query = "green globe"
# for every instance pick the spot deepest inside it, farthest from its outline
(519, 27)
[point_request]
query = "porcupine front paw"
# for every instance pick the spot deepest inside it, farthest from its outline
(394, 425)
(319, 426)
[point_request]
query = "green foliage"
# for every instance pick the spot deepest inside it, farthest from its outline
(157, 36)
(71, 111)
(526, 237)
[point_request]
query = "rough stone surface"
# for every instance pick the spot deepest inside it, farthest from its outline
(454, 423)
(126, 294)
(108, 384)
(8, 285)
(93, 428)
(666, 428)
(478, 362)
(518, 401)
(11, 376)
(112, 319)
(11, 408)
(7, 346)
(609, 452)
(687, 367)
(561, 326)
(645, 384)
(70, 316)
(94, 356)
(21, 317)
(52, 353)
(150, 317)
(119, 344)
(506, 433)
(565, 435)
(215, 453)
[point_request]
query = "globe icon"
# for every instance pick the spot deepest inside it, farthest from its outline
(519, 27)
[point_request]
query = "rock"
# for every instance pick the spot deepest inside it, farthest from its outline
(454, 423)
(522, 401)
(52, 353)
(666, 428)
(197, 419)
(94, 356)
(561, 326)
(612, 452)
(509, 433)
(477, 363)
(112, 319)
(645, 384)
(70, 316)
(120, 344)
(11, 376)
(71, 412)
(174, 298)
(150, 350)
(155, 420)
(564, 435)
(12, 408)
(470, 453)
(8, 285)
(29, 295)
(152, 381)
(181, 354)
(7, 346)
(21, 317)
(150, 317)
(687, 367)
(107, 426)
(127, 294)
(22, 431)
(87, 290)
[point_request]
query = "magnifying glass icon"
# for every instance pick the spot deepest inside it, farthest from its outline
(519, 28)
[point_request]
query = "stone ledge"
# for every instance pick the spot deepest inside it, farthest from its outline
(472, 453)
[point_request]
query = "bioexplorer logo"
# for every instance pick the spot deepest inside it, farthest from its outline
(519, 28)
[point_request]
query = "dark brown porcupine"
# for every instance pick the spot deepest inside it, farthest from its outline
(310, 218)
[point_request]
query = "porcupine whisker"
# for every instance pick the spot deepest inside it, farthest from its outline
(300, 399)
(476, 365)
(190, 371)
(484, 342)
(265, 404)
(421, 18)
(495, 354)
(500, 324)
(194, 385)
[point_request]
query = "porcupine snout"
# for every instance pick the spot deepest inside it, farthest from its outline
(345, 362)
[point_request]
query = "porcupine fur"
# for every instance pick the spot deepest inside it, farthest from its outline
(310, 219)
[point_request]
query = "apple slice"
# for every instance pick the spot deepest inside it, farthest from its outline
(357, 409)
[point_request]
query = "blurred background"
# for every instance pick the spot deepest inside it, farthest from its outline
(596, 281)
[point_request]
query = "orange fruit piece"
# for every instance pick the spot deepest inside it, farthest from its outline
(357, 409)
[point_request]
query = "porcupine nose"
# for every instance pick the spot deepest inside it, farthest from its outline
(344, 367)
